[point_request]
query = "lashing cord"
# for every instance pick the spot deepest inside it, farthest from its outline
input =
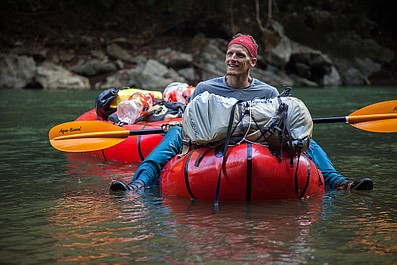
(227, 140)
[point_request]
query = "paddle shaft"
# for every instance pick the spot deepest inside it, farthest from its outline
(356, 119)
(126, 133)
(85, 136)
(329, 119)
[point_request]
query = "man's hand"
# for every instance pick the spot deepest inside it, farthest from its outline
(168, 126)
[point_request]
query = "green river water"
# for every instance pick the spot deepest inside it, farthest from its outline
(55, 208)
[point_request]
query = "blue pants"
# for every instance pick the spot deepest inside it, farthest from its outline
(332, 177)
(149, 170)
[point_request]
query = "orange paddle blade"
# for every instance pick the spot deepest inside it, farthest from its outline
(79, 129)
(85, 136)
(379, 117)
(81, 145)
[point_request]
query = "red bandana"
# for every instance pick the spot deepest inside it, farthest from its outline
(247, 43)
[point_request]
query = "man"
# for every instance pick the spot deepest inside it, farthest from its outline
(241, 56)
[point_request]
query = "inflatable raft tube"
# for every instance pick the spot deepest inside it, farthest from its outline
(134, 148)
(249, 173)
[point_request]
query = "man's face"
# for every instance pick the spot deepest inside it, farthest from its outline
(238, 60)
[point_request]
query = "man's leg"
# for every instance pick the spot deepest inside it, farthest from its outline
(332, 177)
(149, 170)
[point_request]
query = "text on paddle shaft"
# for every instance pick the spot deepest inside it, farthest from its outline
(63, 131)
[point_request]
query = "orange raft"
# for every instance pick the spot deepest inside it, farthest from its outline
(250, 173)
(134, 148)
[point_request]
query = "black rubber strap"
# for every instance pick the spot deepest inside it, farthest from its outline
(186, 174)
(228, 136)
(249, 173)
(307, 179)
(297, 189)
(103, 153)
(138, 145)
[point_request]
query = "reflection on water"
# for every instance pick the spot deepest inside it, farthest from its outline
(89, 226)
(261, 232)
(56, 208)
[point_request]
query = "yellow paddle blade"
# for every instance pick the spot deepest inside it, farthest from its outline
(85, 136)
(379, 117)
(384, 107)
(81, 128)
(84, 144)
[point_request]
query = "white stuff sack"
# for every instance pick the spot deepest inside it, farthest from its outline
(266, 112)
(206, 120)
